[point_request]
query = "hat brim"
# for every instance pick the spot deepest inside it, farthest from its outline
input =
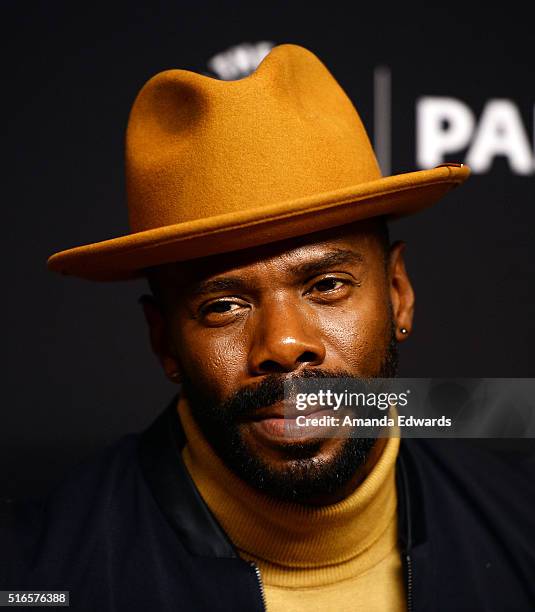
(126, 257)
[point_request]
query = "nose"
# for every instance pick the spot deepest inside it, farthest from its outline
(285, 340)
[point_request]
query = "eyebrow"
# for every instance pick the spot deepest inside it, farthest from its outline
(326, 261)
(228, 283)
(309, 268)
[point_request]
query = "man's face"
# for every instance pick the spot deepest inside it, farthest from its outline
(236, 326)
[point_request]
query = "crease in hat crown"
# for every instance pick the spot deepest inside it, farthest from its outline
(198, 147)
(214, 166)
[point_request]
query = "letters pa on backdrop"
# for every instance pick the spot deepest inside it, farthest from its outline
(446, 125)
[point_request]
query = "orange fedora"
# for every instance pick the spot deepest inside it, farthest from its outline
(216, 166)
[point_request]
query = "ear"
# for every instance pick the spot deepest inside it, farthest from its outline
(401, 292)
(159, 338)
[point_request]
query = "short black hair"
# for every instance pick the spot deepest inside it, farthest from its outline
(383, 233)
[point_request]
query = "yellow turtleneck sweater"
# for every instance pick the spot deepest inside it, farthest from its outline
(341, 557)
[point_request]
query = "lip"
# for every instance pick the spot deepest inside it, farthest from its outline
(276, 428)
(278, 411)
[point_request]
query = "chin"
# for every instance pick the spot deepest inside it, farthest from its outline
(299, 472)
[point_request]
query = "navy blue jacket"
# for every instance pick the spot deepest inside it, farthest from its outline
(129, 531)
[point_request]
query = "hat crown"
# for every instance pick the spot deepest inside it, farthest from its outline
(198, 147)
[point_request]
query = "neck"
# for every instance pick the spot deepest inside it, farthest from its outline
(278, 533)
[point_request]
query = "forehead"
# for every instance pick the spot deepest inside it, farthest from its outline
(356, 244)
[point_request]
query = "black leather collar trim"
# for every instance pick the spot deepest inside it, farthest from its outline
(412, 530)
(174, 490)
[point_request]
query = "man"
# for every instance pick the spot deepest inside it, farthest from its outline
(258, 216)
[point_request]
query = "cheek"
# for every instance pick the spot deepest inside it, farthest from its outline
(212, 359)
(357, 335)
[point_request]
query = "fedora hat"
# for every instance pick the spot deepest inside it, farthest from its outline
(216, 166)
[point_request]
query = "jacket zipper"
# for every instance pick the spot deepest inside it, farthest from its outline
(408, 544)
(409, 582)
(260, 584)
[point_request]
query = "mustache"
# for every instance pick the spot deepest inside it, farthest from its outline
(245, 403)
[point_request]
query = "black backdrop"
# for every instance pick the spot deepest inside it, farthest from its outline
(78, 372)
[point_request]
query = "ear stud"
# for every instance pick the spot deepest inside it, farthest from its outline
(403, 330)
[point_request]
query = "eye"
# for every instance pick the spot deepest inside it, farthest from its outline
(219, 312)
(220, 307)
(328, 284)
(331, 288)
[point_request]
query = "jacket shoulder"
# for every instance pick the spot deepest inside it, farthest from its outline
(475, 514)
(70, 520)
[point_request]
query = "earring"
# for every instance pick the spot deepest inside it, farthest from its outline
(403, 330)
(174, 375)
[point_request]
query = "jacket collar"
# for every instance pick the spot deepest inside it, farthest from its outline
(175, 493)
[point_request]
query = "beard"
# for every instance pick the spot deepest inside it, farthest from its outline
(305, 475)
